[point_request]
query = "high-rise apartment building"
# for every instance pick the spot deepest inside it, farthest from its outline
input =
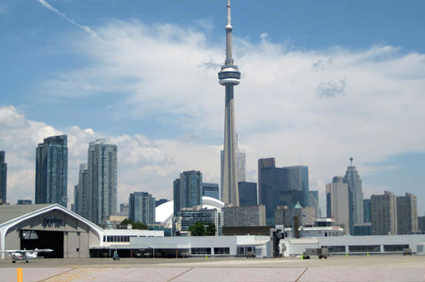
(82, 203)
(247, 193)
(355, 191)
(281, 186)
(407, 214)
(102, 181)
(75, 205)
(337, 206)
(367, 211)
(187, 190)
(3, 178)
(384, 214)
(51, 171)
(142, 207)
(211, 190)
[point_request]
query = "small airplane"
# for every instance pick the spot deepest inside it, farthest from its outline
(24, 254)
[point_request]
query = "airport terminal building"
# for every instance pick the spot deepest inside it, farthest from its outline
(52, 226)
(72, 236)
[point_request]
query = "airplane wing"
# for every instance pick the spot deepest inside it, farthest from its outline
(26, 251)
(43, 250)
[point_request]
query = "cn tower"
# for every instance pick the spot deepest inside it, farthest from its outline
(229, 76)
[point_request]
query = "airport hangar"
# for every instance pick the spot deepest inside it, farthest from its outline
(55, 227)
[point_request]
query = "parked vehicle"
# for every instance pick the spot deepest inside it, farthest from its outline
(320, 252)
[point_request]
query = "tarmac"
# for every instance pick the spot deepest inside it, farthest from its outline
(335, 268)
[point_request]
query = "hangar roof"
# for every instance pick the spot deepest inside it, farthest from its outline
(9, 212)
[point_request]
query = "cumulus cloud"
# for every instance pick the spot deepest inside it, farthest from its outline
(170, 70)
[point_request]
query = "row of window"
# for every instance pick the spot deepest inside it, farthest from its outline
(124, 238)
(367, 248)
(207, 251)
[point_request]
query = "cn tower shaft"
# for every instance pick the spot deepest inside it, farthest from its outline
(229, 76)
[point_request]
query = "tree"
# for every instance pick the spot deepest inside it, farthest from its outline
(202, 229)
(135, 225)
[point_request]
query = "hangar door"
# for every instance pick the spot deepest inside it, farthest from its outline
(31, 239)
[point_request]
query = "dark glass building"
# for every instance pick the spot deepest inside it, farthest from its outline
(210, 190)
(281, 186)
(51, 171)
(187, 190)
(3, 178)
(367, 211)
(247, 193)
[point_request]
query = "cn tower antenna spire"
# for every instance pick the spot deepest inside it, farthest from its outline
(229, 28)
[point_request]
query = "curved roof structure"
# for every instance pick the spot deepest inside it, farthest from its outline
(164, 213)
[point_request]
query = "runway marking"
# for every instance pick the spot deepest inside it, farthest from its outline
(59, 274)
(301, 275)
(180, 274)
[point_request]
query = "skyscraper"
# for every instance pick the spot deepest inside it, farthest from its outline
(229, 77)
(3, 178)
(337, 203)
(367, 211)
(102, 181)
(355, 191)
(51, 171)
(75, 205)
(264, 163)
(281, 186)
(187, 190)
(142, 207)
(407, 214)
(384, 214)
(82, 205)
(210, 190)
(247, 193)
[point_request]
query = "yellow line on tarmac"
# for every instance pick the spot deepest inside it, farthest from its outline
(20, 275)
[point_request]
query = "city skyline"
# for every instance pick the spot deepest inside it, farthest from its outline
(103, 74)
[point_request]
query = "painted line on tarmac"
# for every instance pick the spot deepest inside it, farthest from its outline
(180, 274)
(299, 277)
(56, 275)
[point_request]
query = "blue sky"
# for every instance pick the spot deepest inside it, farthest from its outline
(321, 81)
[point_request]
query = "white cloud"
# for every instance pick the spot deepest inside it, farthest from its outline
(169, 70)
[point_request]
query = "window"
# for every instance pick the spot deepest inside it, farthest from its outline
(364, 249)
(221, 251)
(395, 248)
(241, 250)
(336, 249)
(201, 251)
